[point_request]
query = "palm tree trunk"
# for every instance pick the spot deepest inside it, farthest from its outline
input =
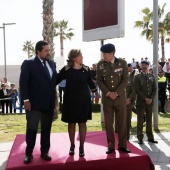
(28, 53)
(61, 46)
(163, 48)
(48, 29)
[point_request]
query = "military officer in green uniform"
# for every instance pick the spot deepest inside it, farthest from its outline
(145, 87)
(112, 76)
(131, 96)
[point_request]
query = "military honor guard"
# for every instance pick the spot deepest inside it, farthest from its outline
(112, 76)
(145, 87)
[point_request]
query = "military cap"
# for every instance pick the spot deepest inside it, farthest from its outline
(107, 48)
(129, 65)
(144, 62)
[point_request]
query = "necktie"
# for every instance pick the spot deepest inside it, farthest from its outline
(46, 70)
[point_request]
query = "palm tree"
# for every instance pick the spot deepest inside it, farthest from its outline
(29, 48)
(147, 25)
(167, 26)
(163, 29)
(61, 29)
(48, 29)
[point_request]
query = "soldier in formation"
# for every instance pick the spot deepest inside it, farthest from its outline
(145, 87)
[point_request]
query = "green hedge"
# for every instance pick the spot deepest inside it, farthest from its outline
(95, 107)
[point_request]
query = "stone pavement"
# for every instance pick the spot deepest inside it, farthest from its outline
(159, 153)
(4, 153)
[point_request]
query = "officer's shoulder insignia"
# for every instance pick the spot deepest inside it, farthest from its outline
(85, 67)
(67, 68)
(121, 58)
(121, 61)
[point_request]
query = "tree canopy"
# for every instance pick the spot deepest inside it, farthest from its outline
(146, 24)
(61, 29)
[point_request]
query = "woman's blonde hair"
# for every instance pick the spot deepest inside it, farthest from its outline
(72, 54)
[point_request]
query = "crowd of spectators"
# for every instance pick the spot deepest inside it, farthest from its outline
(8, 96)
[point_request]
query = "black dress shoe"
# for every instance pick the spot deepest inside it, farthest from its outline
(81, 152)
(126, 150)
(71, 152)
(28, 159)
(46, 156)
(109, 150)
(140, 141)
(152, 141)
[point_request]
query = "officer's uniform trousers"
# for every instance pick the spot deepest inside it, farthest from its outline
(128, 119)
(140, 112)
(118, 111)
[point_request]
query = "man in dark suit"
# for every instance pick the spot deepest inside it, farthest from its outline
(112, 74)
(38, 91)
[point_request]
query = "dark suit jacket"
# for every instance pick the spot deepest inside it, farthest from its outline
(36, 86)
(2, 93)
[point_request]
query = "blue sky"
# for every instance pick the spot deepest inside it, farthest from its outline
(27, 14)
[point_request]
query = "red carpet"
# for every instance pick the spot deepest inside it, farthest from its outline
(95, 156)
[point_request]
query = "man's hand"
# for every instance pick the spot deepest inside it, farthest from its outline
(128, 101)
(27, 105)
(112, 95)
(148, 101)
